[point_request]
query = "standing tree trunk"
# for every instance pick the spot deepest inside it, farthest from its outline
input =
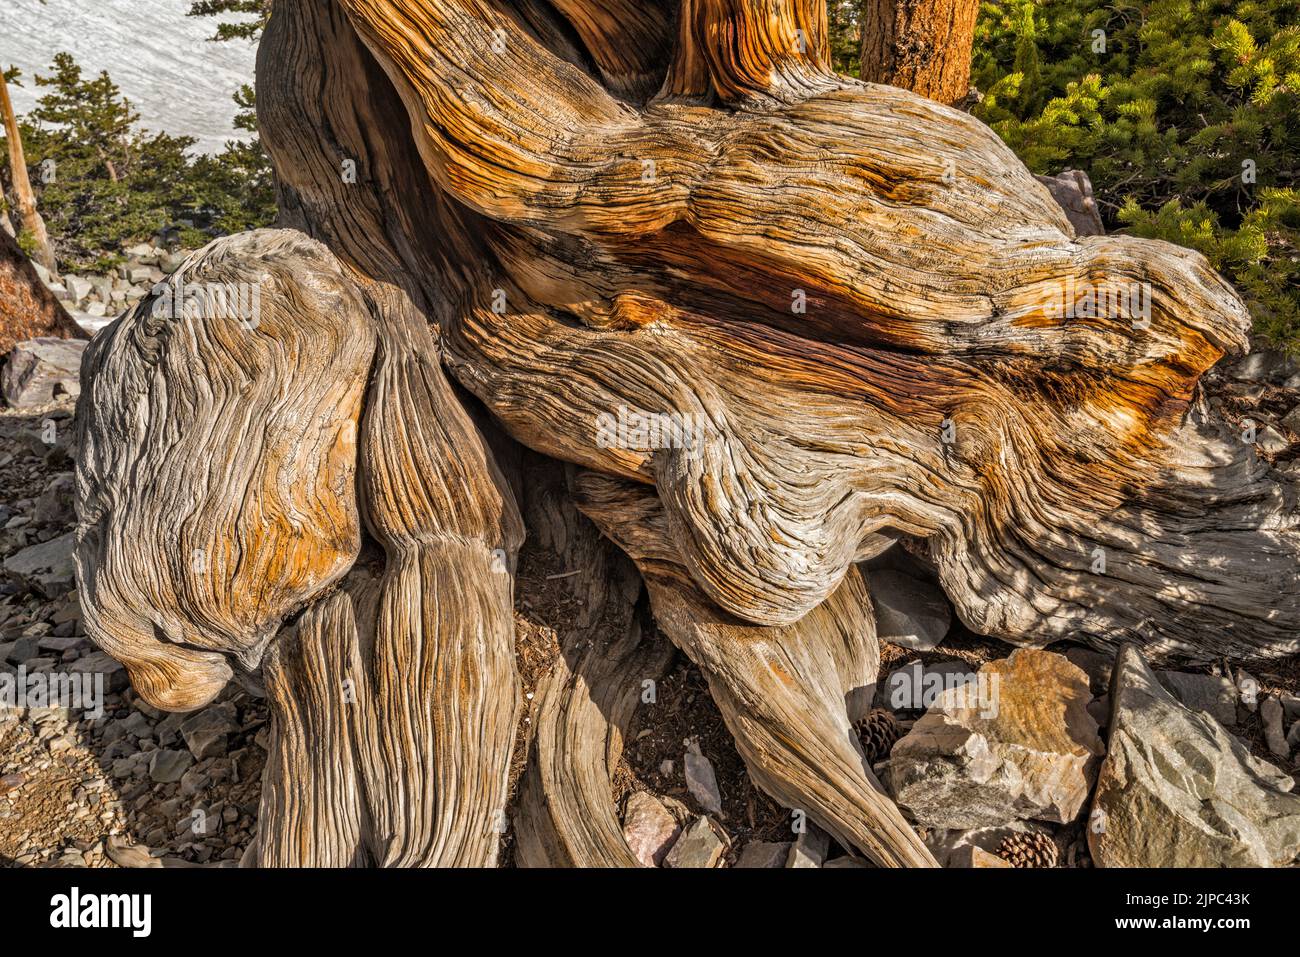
(919, 45)
(783, 319)
(28, 310)
(31, 219)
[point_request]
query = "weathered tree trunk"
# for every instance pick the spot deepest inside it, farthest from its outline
(28, 310)
(784, 319)
(27, 212)
(919, 45)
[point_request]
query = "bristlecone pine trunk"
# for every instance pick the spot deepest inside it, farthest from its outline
(921, 45)
(774, 320)
(28, 215)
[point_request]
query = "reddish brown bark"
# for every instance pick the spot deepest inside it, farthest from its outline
(919, 45)
(27, 308)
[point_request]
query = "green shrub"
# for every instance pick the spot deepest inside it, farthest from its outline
(1185, 114)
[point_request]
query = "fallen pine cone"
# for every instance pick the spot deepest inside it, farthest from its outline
(878, 732)
(1028, 850)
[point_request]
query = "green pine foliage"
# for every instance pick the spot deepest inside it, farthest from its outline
(103, 184)
(1185, 114)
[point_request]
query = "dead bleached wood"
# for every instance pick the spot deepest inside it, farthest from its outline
(872, 317)
(260, 472)
(850, 314)
(784, 690)
(565, 816)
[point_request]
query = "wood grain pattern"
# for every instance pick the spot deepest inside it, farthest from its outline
(861, 317)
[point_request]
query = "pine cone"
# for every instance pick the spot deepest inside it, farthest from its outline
(878, 732)
(1028, 850)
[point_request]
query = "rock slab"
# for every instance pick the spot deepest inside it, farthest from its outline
(1177, 790)
(1018, 743)
(38, 369)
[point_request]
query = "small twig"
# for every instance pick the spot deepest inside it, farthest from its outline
(576, 571)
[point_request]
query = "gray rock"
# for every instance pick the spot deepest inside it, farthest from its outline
(20, 650)
(61, 643)
(167, 766)
(78, 288)
(55, 507)
(1293, 736)
(1292, 420)
(49, 563)
(1177, 790)
(701, 780)
(844, 862)
(102, 663)
(953, 848)
(40, 369)
(1290, 706)
(1262, 366)
(1072, 191)
(699, 846)
(1209, 693)
(764, 854)
(1271, 441)
(809, 848)
(909, 611)
(1018, 744)
(1274, 734)
(205, 732)
(648, 828)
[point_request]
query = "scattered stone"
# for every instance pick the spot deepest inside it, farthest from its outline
(1020, 743)
(1274, 735)
(915, 687)
(167, 766)
(843, 862)
(699, 846)
(909, 611)
(764, 854)
(1290, 706)
(19, 650)
(205, 732)
(1270, 441)
(55, 506)
(102, 663)
(39, 370)
(701, 779)
(1177, 790)
(48, 563)
(810, 847)
(952, 848)
(648, 828)
(1292, 420)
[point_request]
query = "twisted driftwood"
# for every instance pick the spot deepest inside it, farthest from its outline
(859, 313)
